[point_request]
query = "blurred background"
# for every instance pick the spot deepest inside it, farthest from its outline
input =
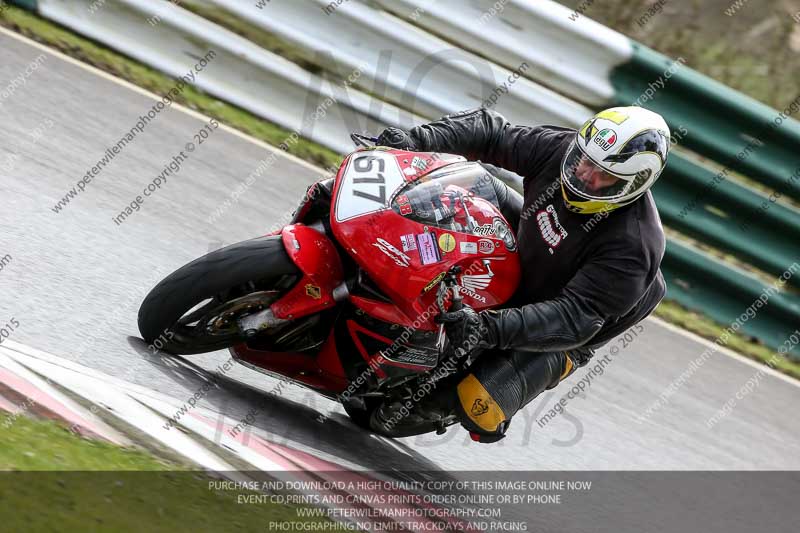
(756, 50)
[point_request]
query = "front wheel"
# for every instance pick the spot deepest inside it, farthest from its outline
(195, 309)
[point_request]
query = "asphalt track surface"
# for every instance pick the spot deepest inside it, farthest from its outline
(76, 279)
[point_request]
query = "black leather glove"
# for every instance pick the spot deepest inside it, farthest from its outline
(466, 330)
(395, 138)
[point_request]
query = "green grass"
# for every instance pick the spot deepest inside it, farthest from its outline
(679, 315)
(128, 69)
(41, 445)
(54, 480)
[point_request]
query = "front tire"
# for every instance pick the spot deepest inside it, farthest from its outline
(213, 280)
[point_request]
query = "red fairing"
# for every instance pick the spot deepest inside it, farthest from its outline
(297, 366)
(329, 364)
(406, 259)
(317, 258)
(388, 232)
(391, 313)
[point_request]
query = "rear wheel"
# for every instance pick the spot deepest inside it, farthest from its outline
(195, 309)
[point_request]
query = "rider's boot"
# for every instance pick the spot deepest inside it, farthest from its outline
(502, 383)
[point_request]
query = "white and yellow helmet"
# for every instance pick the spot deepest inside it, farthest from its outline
(615, 158)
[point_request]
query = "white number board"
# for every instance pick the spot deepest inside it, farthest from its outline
(367, 185)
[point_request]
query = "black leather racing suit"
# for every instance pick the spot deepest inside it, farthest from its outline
(585, 278)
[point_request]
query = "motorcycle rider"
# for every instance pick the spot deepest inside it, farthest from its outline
(590, 243)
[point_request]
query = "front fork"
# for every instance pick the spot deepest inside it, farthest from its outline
(321, 286)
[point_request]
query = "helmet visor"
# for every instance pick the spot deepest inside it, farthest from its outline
(585, 177)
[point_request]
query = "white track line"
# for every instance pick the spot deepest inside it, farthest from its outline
(85, 370)
(322, 172)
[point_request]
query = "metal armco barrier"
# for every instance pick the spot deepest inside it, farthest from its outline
(732, 218)
(694, 279)
(404, 65)
(723, 124)
(573, 57)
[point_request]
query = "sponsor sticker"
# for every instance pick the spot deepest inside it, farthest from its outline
(405, 209)
(434, 282)
(471, 283)
(484, 230)
(485, 246)
(606, 139)
(447, 242)
(402, 199)
(427, 248)
(313, 291)
(468, 247)
(393, 253)
(477, 281)
(408, 242)
(419, 163)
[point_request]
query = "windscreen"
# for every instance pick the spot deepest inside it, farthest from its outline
(446, 198)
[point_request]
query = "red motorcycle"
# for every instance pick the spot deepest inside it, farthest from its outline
(343, 299)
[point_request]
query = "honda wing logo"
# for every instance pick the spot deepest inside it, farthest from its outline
(478, 281)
